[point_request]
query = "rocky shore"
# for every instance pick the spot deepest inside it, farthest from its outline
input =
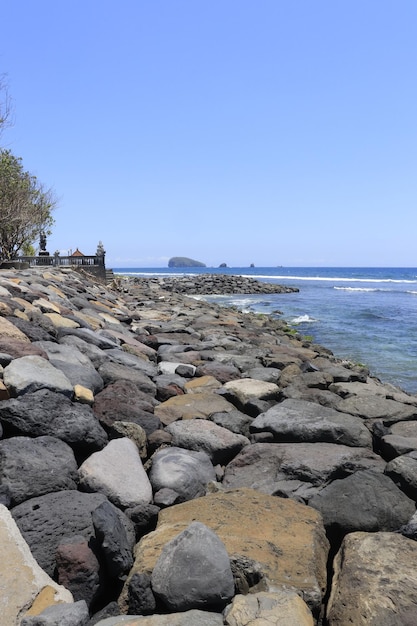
(165, 461)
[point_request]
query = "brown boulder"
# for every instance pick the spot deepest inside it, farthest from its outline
(286, 538)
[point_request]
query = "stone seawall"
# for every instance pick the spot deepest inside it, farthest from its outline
(181, 463)
(212, 284)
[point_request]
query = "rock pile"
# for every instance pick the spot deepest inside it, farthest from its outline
(165, 461)
(209, 284)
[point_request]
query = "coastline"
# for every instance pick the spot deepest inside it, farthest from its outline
(126, 378)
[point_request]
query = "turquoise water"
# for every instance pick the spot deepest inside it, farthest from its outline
(367, 315)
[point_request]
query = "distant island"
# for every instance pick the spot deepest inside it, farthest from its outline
(183, 261)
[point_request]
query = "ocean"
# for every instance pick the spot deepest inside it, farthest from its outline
(365, 315)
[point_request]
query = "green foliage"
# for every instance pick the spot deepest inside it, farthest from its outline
(25, 207)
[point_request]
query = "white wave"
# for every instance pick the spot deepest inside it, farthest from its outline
(303, 319)
(358, 289)
(333, 279)
(414, 293)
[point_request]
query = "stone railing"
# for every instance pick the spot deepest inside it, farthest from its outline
(57, 260)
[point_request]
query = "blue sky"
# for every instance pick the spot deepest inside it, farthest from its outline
(239, 131)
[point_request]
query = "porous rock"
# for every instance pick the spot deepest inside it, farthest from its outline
(45, 412)
(32, 467)
(45, 520)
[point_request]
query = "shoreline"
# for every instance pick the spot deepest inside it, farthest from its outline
(151, 410)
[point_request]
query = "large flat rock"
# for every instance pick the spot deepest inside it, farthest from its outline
(375, 581)
(285, 537)
(303, 421)
(191, 405)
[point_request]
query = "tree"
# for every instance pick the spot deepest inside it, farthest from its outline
(5, 103)
(25, 207)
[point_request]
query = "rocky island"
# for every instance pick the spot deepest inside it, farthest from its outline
(149, 439)
(182, 261)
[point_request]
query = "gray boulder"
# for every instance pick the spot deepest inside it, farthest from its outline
(365, 501)
(96, 355)
(32, 467)
(186, 472)
(130, 360)
(45, 412)
(44, 521)
(403, 471)
(30, 373)
(117, 471)
(75, 614)
(112, 372)
(220, 444)
(76, 366)
(113, 539)
(372, 407)
(186, 618)
(90, 336)
(193, 571)
(302, 421)
(296, 470)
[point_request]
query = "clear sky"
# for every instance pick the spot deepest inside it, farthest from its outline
(273, 132)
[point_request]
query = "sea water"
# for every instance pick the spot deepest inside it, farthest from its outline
(365, 315)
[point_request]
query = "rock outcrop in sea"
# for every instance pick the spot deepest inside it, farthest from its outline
(166, 461)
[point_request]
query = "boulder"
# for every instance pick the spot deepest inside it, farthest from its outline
(44, 522)
(117, 471)
(9, 331)
(286, 538)
(371, 407)
(123, 401)
(235, 421)
(46, 412)
(112, 372)
(365, 501)
(220, 444)
(222, 372)
(297, 470)
(113, 539)
(32, 467)
(374, 582)
(191, 405)
(193, 571)
(302, 421)
(30, 373)
(280, 608)
(403, 471)
(141, 364)
(186, 472)
(78, 568)
(76, 366)
(195, 617)
(75, 614)
(244, 391)
(23, 584)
